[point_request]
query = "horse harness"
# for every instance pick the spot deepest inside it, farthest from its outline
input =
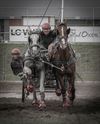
(71, 59)
(53, 63)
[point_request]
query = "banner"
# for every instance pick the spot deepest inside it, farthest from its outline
(20, 33)
(84, 34)
(77, 34)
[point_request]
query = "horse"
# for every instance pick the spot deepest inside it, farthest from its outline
(62, 55)
(32, 63)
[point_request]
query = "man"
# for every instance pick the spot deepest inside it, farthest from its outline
(17, 61)
(47, 35)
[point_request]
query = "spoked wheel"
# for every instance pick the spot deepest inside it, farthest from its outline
(23, 92)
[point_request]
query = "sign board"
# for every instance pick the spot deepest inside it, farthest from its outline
(20, 33)
(77, 34)
(84, 34)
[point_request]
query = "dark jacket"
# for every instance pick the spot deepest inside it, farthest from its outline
(45, 40)
(17, 65)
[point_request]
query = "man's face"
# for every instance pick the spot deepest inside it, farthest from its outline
(46, 31)
(15, 56)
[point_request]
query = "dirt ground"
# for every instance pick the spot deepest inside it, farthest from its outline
(84, 111)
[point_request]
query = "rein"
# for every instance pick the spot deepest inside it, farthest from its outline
(31, 53)
(43, 61)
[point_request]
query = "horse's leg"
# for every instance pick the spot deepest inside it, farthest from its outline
(30, 87)
(57, 88)
(63, 90)
(42, 94)
(71, 88)
(35, 100)
(71, 83)
(70, 74)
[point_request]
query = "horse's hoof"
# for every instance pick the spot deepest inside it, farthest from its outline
(67, 103)
(58, 92)
(35, 102)
(70, 102)
(42, 105)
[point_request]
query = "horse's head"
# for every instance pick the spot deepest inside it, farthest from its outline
(33, 39)
(33, 44)
(63, 33)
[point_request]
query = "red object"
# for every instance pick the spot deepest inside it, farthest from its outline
(29, 88)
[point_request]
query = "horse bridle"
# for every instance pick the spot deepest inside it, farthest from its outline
(37, 51)
(62, 41)
(62, 37)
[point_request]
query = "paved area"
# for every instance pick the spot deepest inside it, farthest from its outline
(86, 108)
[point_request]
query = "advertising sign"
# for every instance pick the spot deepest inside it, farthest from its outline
(77, 34)
(84, 34)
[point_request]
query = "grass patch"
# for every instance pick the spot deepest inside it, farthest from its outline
(88, 60)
